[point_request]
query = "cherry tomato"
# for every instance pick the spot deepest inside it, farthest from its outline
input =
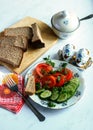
(43, 69)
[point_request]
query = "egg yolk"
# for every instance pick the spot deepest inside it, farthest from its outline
(7, 91)
(14, 77)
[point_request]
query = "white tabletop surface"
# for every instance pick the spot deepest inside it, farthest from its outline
(77, 117)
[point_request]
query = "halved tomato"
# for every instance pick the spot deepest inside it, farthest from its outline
(49, 80)
(43, 69)
(60, 79)
(68, 73)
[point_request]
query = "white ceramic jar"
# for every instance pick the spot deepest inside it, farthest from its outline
(65, 24)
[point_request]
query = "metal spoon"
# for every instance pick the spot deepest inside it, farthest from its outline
(87, 17)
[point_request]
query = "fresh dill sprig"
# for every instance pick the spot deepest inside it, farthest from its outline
(49, 61)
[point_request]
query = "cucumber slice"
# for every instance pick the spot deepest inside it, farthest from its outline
(75, 81)
(45, 94)
(69, 90)
(54, 95)
(71, 87)
(40, 91)
(69, 95)
(62, 97)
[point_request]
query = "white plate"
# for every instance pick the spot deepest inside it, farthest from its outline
(72, 100)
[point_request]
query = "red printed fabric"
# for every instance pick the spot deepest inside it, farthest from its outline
(12, 101)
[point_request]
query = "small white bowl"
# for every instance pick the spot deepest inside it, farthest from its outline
(65, 24)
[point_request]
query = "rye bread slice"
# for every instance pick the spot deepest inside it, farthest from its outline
(8, 66)
(23, 31)
(11, 55)
(18, 41)
(37, 41)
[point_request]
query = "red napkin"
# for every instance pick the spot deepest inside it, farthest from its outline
(11, 100)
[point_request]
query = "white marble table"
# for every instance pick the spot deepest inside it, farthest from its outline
(77, 117)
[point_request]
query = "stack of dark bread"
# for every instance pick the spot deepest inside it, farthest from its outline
(14, 42)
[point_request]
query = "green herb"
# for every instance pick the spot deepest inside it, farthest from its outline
(53, 71)
(48, 61)
(64, 65)
(55, 89)
(51, 104)
(38, 85)
(46, 86)
(58, 78)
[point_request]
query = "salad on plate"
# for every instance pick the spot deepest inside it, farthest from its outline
(58, 83)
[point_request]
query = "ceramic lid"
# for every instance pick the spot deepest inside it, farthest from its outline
(65, 21)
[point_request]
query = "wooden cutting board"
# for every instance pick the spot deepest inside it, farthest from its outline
(33, 54)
